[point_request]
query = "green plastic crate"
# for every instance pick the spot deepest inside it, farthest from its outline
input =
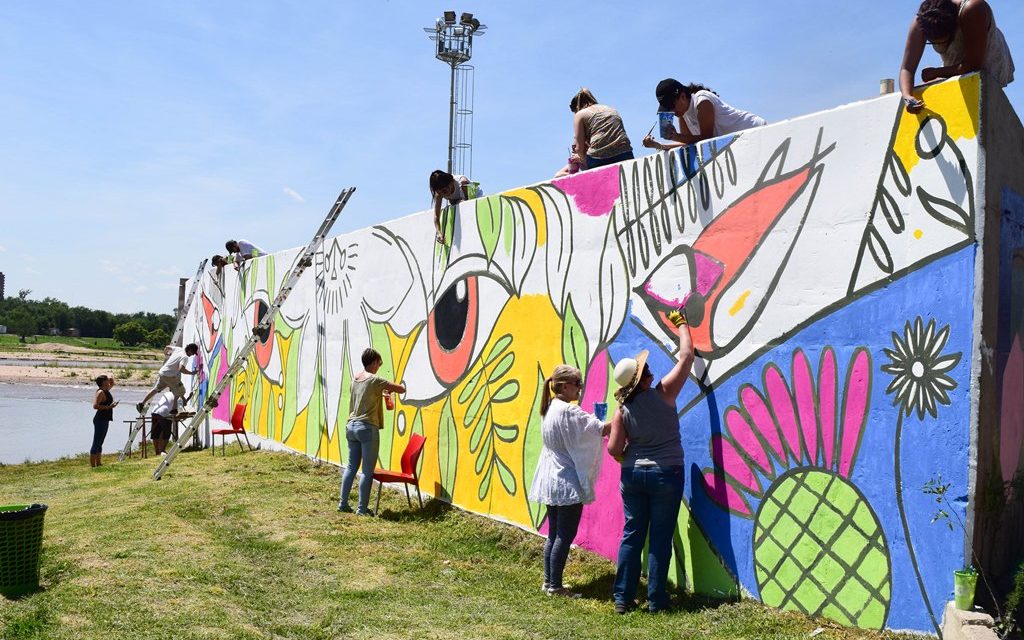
(21, 540)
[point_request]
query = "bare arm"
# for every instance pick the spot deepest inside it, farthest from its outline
(393, 387)
(706, 123)
(579, 131)
(617, 436)
(673, 382)
(911, 59)
(97, 402)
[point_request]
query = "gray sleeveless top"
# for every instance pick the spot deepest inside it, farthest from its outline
(652, 432)
(998, 62)
(603, 126)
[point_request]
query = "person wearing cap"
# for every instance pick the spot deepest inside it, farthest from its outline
(104, 405)
(965, 34)
(598, 133)
(566, 469)
(645, 438)
(701, 113)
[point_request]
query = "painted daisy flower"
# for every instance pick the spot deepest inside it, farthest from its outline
(918, 368)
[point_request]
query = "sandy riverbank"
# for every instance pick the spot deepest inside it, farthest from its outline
(72, 365)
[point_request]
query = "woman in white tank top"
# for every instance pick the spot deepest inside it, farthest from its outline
(965, 34)
(702, 115)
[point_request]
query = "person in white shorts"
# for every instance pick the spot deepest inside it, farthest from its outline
(170, 372)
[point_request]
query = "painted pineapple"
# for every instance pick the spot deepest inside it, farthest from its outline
(818, 546)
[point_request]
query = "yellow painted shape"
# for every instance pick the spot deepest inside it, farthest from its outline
(740, 303)
(917, 234)
(959, 104)
(533, 200)
(401, 349)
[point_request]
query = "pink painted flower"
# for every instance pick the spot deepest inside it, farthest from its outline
(797, 423)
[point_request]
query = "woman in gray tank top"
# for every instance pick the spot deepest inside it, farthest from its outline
(965, 34)
(598, 133)
(645, 439)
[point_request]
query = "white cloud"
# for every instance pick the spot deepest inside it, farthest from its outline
(30, 271)
(294, 195)
(3, 249)
(141, 289)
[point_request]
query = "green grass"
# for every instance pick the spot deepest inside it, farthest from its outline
(250, 546)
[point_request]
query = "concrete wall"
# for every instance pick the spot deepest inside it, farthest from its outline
(828, 268)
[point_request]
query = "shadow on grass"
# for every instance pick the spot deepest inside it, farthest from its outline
(600, 588)
(432, 511)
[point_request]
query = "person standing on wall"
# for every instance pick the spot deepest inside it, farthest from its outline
(454, 189)
(365, 420)
(965, 34)
(170, 372)
(598, 134)
(566, 470)
(702, 115)
(104, 405)
(645, 439)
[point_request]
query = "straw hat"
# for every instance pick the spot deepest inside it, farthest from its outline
(627, 374)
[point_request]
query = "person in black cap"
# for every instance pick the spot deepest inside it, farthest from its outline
(701, 112)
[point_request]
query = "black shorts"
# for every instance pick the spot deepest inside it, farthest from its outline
(161, 429)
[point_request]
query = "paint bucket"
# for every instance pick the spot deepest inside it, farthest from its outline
(666, 123)
(389, 402)
(964, 583)
(600, 410)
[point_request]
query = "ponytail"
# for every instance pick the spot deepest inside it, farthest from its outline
(545, 397)
(693, 88)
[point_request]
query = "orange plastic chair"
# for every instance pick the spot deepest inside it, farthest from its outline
(408, 475)
(236, 428)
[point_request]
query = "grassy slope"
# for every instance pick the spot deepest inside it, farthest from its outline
(250, 546)
(9, 342)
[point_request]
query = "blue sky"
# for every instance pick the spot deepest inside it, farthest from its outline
(139, 136)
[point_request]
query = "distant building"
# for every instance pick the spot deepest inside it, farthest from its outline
(73, 333)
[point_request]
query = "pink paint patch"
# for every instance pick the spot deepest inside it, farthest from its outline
(601, 527)
(743, 435)
(223, 410)
(763, 421)
(857, 384)
(709, 271)
(803, 390)
(827, 405)
(782, 406)
(596, 378)
(732, 463)
(724, 494)
(594, 191)
(1011, 425)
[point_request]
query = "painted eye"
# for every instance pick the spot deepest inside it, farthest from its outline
(265, 346)
(682, 279)
(212, 316)
(452, 329)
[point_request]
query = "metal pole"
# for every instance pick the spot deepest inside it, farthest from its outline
(181, 300)
(451, 121)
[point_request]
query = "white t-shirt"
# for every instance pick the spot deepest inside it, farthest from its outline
(247, 248)
(728, 119)
(164, 404)
(570, 459)
(172, 366)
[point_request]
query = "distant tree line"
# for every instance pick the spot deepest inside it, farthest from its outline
(26, 317)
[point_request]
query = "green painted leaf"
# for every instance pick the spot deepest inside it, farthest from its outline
(488, 222)
(471, 384)
(316, 414)
(447, 451)
(532, 444)
(508, 479)
(485, 483)
(478, 431)
(474, 407)
(499, 346)
(484, 455)
(291, 391)
(574, 339)
(509, 221)
(506, 432)
(502, 367)
(506, 392)
(379, 341)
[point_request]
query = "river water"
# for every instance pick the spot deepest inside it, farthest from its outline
(46, 422)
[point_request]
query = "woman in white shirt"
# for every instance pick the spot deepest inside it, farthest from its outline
(567, 469)
(701, 113)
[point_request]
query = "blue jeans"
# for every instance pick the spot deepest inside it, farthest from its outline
(363, 445)
(563, 523)
(651, 497)
(593, 163)
(99, 434)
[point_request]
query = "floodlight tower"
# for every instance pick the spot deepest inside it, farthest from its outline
(455, 48)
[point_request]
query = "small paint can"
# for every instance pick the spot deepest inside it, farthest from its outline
(666, 123)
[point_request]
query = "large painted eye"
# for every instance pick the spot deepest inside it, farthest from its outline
(681, 279)
(452, 329)
(265, 345)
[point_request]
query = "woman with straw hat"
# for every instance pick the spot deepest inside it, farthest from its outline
(645, 439)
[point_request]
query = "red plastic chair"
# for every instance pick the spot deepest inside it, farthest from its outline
(408, 475)
(236, 428)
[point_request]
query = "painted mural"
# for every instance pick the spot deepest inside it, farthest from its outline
(825, 265)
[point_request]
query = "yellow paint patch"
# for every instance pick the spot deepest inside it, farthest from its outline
(740, 303)
(536, 205)
(917, 234)
(959, 104)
